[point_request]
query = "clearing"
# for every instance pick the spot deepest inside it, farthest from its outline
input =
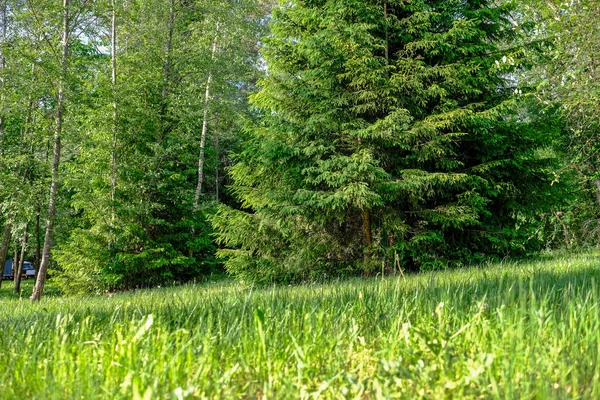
(510, 330)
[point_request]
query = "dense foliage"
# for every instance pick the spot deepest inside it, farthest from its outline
(151, 97)
(567, 78)
(150, 233)
(150, 142)
(391, 132)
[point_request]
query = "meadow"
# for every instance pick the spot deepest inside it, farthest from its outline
(528, 330)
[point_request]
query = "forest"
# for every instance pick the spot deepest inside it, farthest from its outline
(157, 142)
(299, 199)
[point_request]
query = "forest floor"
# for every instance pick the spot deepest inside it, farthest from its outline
(510, 330)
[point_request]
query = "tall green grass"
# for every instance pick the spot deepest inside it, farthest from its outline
(512, 330)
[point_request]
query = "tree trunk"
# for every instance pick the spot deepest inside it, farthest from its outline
(41, 276)
(3, 11)
(38, 241)
(15, 259)
(217, 158)
(2, 65)
(367, 233)
(113, 180)
(205, 126)
(21, 261)
(4, 247)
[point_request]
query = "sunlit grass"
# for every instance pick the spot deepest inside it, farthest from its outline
(513, 330)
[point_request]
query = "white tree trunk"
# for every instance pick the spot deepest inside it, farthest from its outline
(41, 276)
(21, 261)
(3, 9)
(8, 228)
(115, 132)
(205, 125)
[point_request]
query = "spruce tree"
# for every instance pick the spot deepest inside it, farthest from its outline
(389, 133)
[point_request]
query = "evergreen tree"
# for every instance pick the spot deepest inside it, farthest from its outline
(389, 133)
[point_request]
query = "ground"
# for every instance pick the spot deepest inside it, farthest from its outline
(510, 330)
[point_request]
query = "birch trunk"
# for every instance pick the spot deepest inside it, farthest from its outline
(38, 241)
(2, 65)
(15, 260)
(113, 180)
(3, 10)
(205, 125)
(41, 276)
(21, 261)
(4, 247)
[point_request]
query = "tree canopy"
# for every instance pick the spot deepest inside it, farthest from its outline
(149, 142)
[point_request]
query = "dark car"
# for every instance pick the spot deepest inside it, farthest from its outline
(28, 270)
(8, 270)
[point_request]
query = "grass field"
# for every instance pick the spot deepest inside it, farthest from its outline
(523, 330)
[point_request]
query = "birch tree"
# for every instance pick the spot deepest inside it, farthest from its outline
(205, 120)
(60, 108)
